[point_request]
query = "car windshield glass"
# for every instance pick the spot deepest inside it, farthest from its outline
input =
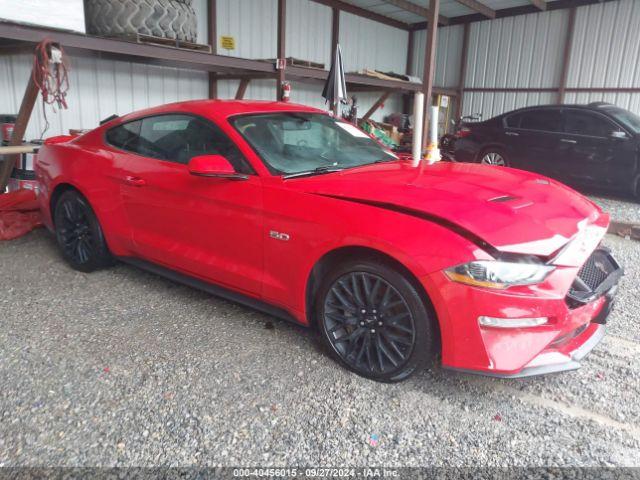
(625, 117)
(292, 143)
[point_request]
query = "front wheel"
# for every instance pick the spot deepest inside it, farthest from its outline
(374, 321)
(494, 156)
(78, 233)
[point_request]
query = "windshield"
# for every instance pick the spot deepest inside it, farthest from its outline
(626, 118)
(291, 143)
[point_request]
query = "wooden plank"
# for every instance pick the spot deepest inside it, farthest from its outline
(566, 55)
(19, 149)
(242, 88)
(80, 44)
(479, 7)
(513, 11)
(24, 114)
(376, 106)
(416, 9)
(539, 4)
(361, 12)
(429, 68)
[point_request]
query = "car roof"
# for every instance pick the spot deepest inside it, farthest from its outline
(221, 109)
(595, 106)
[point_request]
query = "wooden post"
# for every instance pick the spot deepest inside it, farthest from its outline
(464, 55)
(429, 66)
(212, 37)
(282, 38)
(406, 98)
(242, 88)
(26, 109)
(377, 105)
(566, 58)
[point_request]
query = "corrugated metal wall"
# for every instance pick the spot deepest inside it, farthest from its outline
(526, 52)
(448, 53)
(606, 53)
(514, 52)
(99, 88)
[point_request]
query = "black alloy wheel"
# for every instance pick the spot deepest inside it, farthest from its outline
(78, 233)
(376, 323)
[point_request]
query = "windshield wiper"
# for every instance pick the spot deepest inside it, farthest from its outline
(315, 171)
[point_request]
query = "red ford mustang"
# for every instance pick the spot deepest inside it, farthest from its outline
(287, 209)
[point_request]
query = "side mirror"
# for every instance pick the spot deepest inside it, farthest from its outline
(213, 166)
(619, 135)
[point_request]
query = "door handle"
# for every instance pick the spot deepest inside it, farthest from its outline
(134, 181)
(513, 134)
(567, 140)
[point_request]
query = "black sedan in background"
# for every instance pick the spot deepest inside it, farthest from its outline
(595, 145)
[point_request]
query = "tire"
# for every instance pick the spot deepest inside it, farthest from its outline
(79, 235)
(174, 19)
(494, 156)
(386, 343)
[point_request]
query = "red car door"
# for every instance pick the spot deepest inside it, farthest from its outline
(207, 227)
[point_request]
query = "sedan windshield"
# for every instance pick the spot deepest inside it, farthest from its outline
(625, 117)
(297, 143)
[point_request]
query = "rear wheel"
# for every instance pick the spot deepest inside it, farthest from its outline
(78, 233)
(374, 321)
(494, 156)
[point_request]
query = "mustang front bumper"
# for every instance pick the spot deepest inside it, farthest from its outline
(575, 302)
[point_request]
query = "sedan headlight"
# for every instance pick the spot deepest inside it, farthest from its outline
(498, 274)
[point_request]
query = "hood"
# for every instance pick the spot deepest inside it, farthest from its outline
(511, 210)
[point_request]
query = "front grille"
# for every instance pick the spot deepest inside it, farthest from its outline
(598, 267)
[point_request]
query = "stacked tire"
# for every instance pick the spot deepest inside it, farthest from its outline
(174, 19)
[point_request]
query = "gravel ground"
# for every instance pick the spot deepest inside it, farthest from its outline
(124, 368)
(620, 209)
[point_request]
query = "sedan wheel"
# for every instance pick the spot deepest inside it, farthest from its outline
(376, 328)
(79, 234)
(493, 158)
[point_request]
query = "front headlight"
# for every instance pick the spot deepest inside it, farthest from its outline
(498, 274)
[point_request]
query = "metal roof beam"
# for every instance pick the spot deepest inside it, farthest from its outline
(361, 12)
(481, 8)
(416, 9)
(540, 4)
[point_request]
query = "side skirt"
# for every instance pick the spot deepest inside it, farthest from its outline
(212, 289)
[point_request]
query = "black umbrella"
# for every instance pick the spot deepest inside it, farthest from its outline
(335, 89)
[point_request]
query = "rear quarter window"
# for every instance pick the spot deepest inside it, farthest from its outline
(125, 136)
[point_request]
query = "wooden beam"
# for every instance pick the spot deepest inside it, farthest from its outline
(429, 68)
(24, 115)
(212, 37)
(416, 9)
(242, 88)
(513, 11)
(281, 52)
(539, 4)
(377, 105)
(361, 12)
(88, 45)
(481, 8)
(464, 56)
(566, 56)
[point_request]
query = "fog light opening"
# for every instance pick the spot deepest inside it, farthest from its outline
(512, 322)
